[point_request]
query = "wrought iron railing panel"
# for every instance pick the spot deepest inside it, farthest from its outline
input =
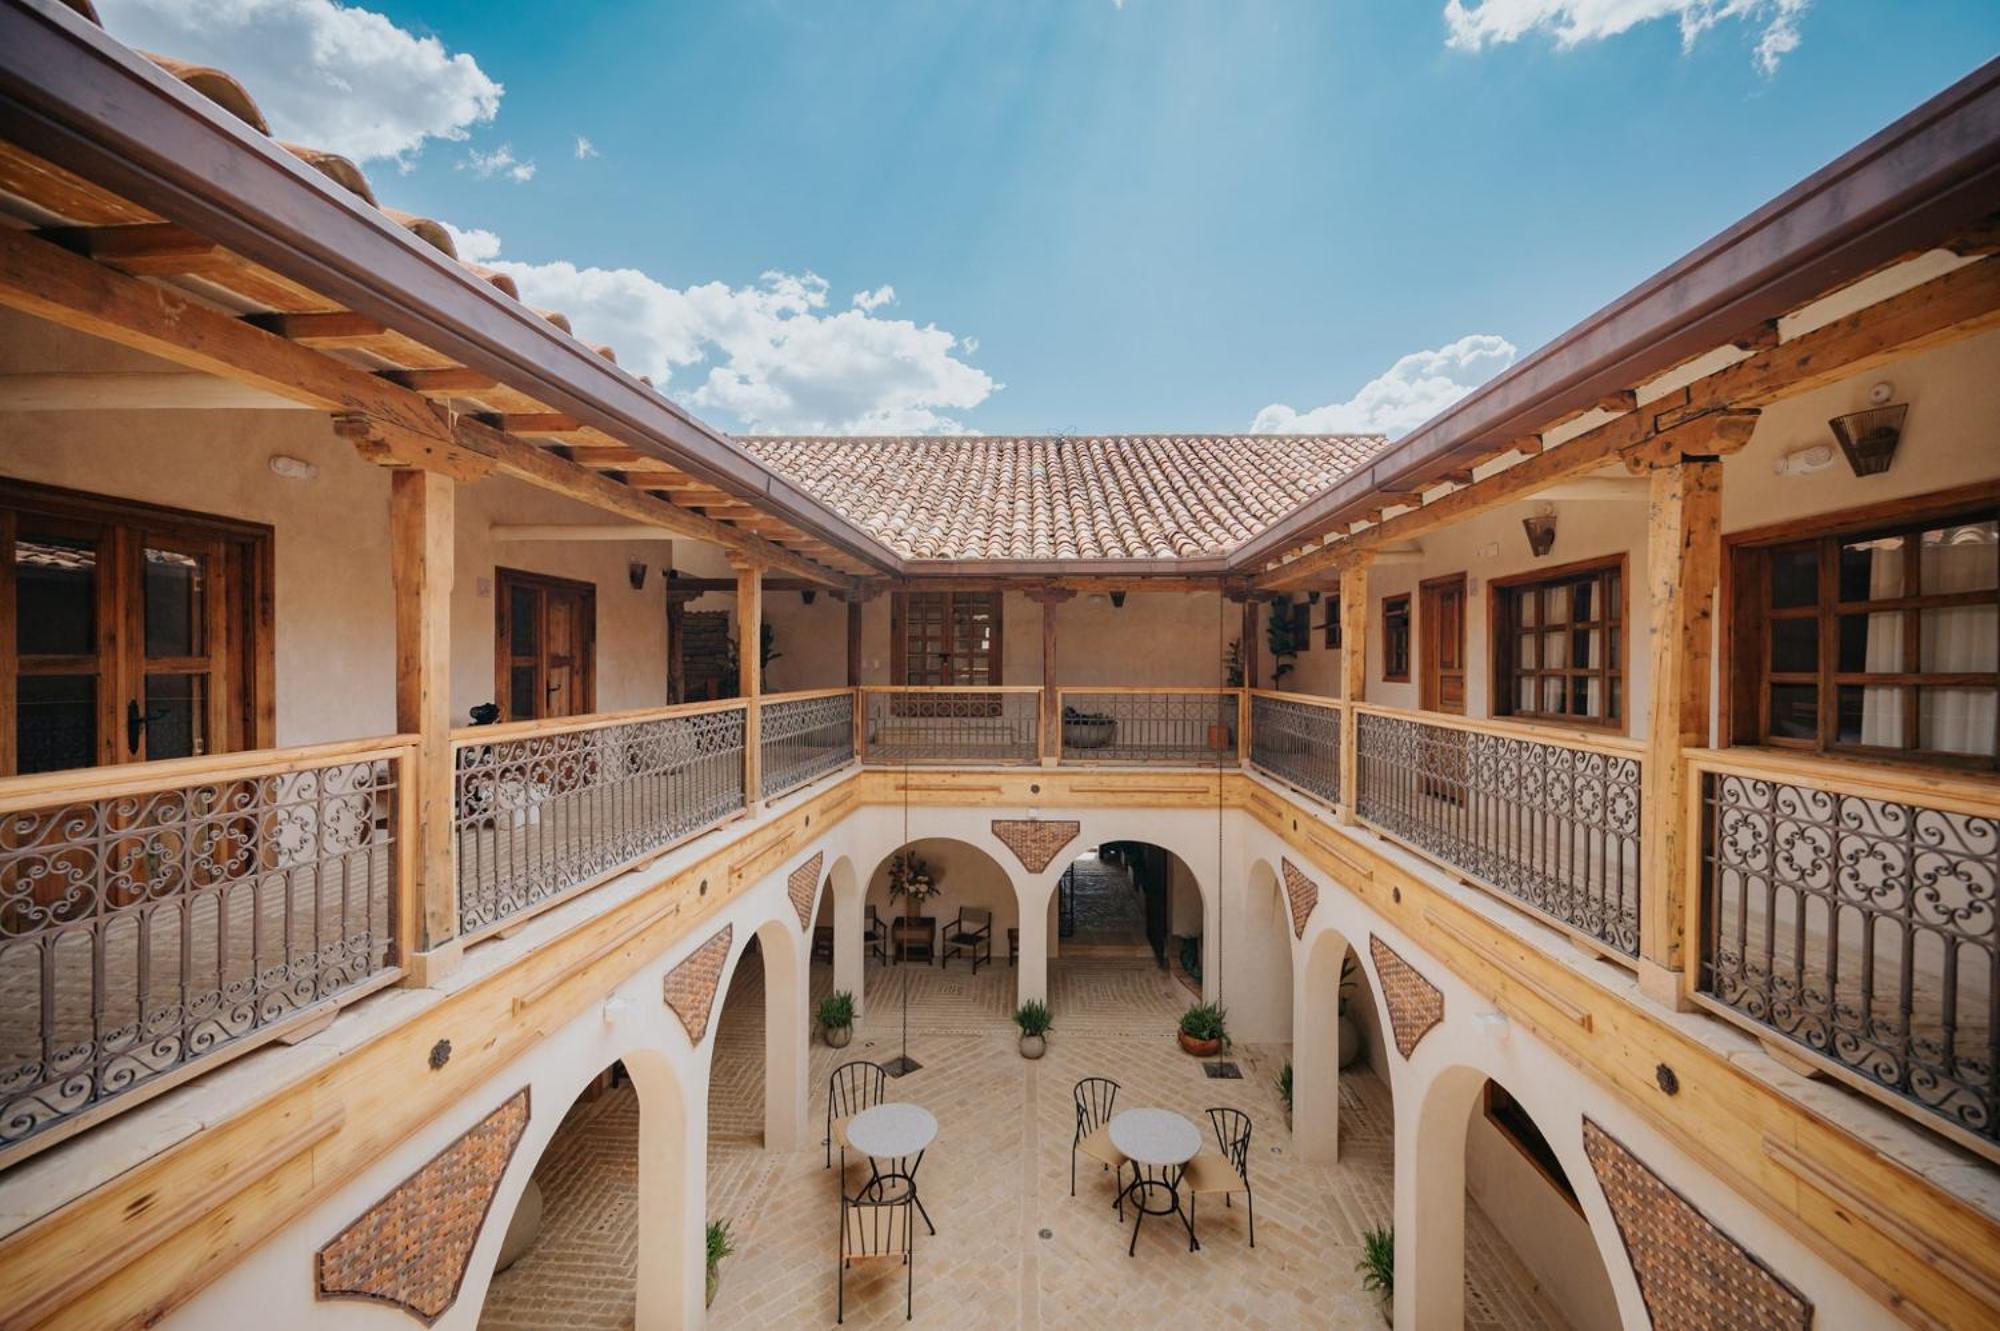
(1298, 743)
(952, 726)
(1552, 826)
(141, 932)
(1863, 929)
(1149, 726)
(548, 812)
(804, 738)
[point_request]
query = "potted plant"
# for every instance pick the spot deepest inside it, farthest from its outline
(1280, 638)
(1350, 1034)
(1033, 1019)
(1285, 1092)
(719, 1247)
(1378, 1266)
(1232, 665)
(1204, 1030)
(1087, 730)
(836, 1018)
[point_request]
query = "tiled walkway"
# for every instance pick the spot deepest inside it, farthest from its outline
(1109, 908)
(1013, 1249)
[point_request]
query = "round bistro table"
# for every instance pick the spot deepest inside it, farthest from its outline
(897, 1132)
(1159, 1143)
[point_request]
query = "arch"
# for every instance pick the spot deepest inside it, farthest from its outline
(842, 889)
(1101, 828)
(1257, 975)
(787, 1024)
(1431, 1189)
(1316, 1046)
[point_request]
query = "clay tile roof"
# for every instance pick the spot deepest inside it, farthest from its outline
(1063, 497)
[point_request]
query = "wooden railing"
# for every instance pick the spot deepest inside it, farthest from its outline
(1847, 911)
(1296, 739)
(159, 919)
(908, 724)
(544, 808)
(1545, 816)
(1179, 726)
(805, 736)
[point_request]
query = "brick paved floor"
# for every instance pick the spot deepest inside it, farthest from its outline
(996, 1180)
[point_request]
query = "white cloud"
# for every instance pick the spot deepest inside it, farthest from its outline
(325, 75)
(1573, 22)
(768, 355)
(1410, 392)
(585, 148)
(871, 300)
(500, 161)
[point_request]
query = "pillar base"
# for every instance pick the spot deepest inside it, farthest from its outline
(1663, 986)
(422, 970)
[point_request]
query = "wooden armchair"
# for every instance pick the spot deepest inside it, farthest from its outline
(971, 935)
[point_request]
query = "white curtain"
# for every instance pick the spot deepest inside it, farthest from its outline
(1960, 638)
(1882, 704)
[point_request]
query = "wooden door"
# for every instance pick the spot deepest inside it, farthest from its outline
(128, 633)
(545, 640)
(1441, 617)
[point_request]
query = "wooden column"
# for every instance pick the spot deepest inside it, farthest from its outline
(1683, 557)
(420, 562)
(1049, 598)
(750, 677)
(1250, 650)
(1353, 678)
(853, 640)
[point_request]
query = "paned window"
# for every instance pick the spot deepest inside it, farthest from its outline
(1559, 644)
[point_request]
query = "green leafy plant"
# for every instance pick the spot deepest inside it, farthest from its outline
(1205, 1021)
(1285, 1085)
(1191, 956)
(1378, 1261)
(1279, 637)
(1347, 979)
(1232, 664)
(1033, 1017)
(836, 1010)
(719, 1244)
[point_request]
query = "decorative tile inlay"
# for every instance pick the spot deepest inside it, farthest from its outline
(1415, 1004)
(801, 886)
(1302, 893)
(1692, 1276)
(1035, 841)
(690, 987)
(411, 1248)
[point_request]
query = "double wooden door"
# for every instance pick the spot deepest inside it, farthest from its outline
(546, 640)
(128, 633)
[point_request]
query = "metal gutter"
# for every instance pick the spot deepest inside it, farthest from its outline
(71, 93)
(1907, 188)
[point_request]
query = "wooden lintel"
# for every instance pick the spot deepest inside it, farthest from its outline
(457, 379)
(1711, 434)
(325, 328)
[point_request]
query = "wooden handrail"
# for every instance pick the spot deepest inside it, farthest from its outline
(1621, 746)
(44, 788)
(570, 725)
(1307, 699)
(1975, 794)
(1165, 691)
(801, 695)
(950, 688)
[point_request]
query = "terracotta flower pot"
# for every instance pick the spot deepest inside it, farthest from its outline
(1199, 1048)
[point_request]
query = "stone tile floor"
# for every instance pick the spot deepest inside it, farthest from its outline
(996, 1181)
(1108, 908)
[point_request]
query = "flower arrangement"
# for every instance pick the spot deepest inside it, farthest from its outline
(910, 881)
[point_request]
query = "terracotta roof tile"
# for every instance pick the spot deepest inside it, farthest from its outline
(1065, 497)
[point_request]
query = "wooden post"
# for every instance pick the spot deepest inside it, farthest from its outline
(853, 640)
(1353, 679)
(420, 562)
(1051, 738)
(1250, 652)
(1683, 557)
(750, 677)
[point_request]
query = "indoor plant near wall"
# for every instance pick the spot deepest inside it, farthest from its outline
(1204, 1030)
(1350, 1034)
(1033, 1019)
(836, 1018)
(719, 1247)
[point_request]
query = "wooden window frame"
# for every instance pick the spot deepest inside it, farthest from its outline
(1390, 604)
(1330, 630)
(504, 580)
(244, 717)
(1499, 1106)
(1744, 604)
(1505, 637)
(899, 627)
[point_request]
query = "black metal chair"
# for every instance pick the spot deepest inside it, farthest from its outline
(1095, 1097)
(879, 1225)
(852, 1088)
(875, 938)
(1228, 1172)
(971, 935)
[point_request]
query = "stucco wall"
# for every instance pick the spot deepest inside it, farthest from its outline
(1548, 1235)
(966, 876)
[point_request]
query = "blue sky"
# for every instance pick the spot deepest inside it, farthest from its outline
(1157, 216)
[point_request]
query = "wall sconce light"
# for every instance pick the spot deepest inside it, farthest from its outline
(1118, 600)
(1541, 529)
(1869, 438)
(636, 571)
(291, 468)
(1805, 461)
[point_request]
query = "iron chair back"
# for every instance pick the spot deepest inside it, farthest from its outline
(880, 1228)
(1232, 1138)
(970, 934)
(875, 937)
(1095, 1098)
(852, 1087)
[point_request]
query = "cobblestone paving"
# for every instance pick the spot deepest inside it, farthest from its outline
(1109, 909)
(996, 1179)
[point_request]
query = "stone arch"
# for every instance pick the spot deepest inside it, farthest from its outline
(1433, 1119)
(1316, 1045)
(1257, 979)
(786, 1027)
(841, 891)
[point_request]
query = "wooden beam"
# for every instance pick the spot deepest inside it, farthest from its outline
(393, 425)
(750, 677)
(456, 379)
(1717, 434)
(1683, 559)
(1353, 679)
(421, 507)
(1960, 304)
(853, 642)
(1622, 399)
(326, 328)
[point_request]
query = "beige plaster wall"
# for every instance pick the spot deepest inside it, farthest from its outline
(966, 876)
(1552, 1240)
